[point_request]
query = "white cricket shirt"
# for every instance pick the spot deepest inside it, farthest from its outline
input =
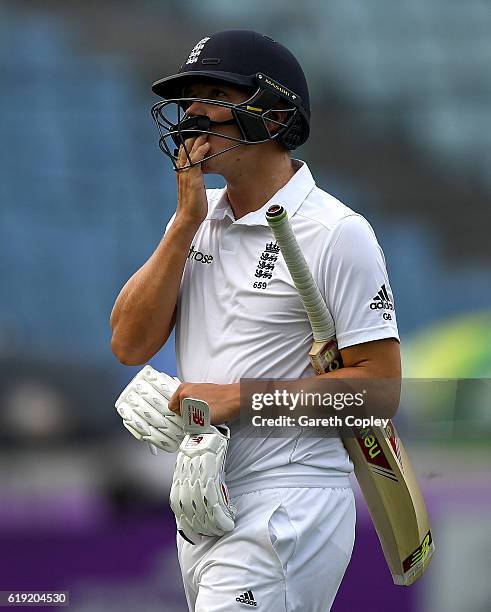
(239, 316)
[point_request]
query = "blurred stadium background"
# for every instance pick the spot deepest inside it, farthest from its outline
(401, 114)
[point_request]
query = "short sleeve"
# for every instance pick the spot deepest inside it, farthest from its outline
(356, 285)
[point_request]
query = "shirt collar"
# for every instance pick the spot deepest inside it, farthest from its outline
(222, 208)
(290, 196)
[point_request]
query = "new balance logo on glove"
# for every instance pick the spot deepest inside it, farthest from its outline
(195, 416)
(247, 598)
(382, 300)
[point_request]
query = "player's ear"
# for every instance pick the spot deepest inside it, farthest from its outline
(277, 116)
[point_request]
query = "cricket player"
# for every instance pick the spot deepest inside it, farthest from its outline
(281, 532)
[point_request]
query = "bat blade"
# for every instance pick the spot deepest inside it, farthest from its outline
(394, 500)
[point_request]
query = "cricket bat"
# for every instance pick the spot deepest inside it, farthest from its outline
(382, 467)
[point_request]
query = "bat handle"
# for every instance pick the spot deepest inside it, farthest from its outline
(325, 356)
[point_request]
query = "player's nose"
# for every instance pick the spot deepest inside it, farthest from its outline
(196, 108)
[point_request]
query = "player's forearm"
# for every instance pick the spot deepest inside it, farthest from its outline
(143, 314)
(353, 372)
(383, 386)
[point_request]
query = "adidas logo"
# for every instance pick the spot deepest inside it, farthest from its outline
(382, 300)
(247, 598)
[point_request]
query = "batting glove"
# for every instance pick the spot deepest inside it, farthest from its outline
(143, 406)
(199, 497)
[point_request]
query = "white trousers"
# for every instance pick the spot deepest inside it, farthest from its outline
(287, 553)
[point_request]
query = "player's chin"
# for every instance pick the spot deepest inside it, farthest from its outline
(213, 165)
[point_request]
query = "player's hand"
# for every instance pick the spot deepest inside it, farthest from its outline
(143, 406)
(191, 193)
(223, 400)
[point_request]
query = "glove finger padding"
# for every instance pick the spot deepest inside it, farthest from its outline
(163, 383)
(143, 406)
(199, 496)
